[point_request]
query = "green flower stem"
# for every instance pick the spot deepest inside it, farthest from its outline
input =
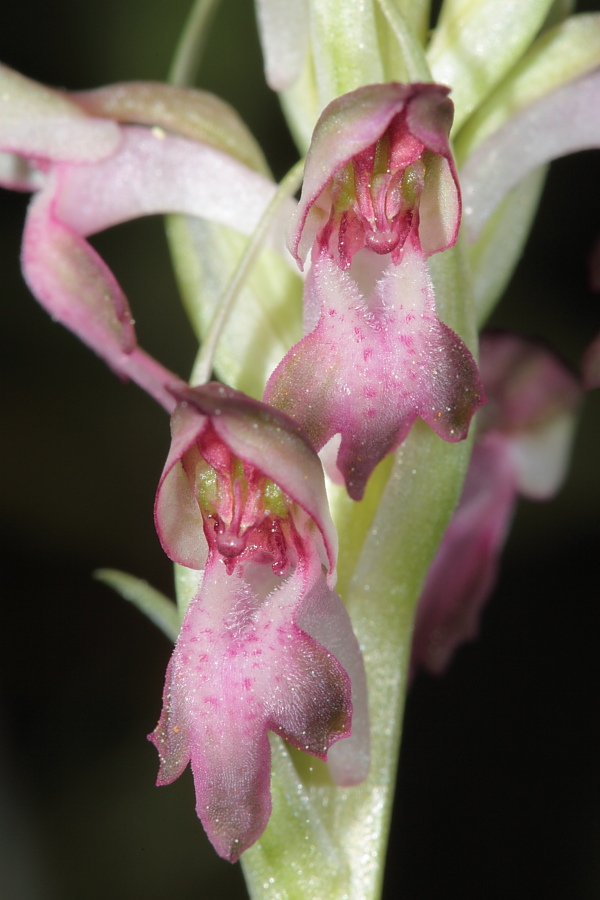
(188, 54)
(204, 361)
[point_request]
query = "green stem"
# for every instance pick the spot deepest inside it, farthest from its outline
(188, 54)
(287, 187)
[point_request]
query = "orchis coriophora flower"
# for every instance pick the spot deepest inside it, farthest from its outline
(266, 644)
(380, 194)
(522, 449)
(89, 171)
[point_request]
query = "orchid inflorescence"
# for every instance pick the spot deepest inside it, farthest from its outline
(332, 453)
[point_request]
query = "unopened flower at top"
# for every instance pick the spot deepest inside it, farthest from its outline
(380, 195)
(266, 644)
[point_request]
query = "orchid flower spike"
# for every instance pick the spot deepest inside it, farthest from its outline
(266, 644)
(380, 195)
(523, 449)
(186, 152)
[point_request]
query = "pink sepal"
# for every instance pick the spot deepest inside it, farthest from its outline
(77, 288)
(523, 447)
(465, 567)
(534, 399)
(255, 433)
(356, 121)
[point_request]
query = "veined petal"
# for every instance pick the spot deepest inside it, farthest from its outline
(399, 362)
(558, 124)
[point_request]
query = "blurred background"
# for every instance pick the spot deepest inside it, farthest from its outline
(499, 791)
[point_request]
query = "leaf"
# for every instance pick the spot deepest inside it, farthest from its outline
(158, 608)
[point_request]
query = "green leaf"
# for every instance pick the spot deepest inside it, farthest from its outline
(158, 608)
(476, 42)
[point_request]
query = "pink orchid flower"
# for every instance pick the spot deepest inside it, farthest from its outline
(522, 449)
(266, 644)
(89, 172)
(380, 195)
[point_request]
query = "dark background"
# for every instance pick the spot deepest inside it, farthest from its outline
(499, 793)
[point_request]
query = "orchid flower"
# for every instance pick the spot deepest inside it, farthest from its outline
(89, 172)
(266, 644)
(522, 449)
(380, 195)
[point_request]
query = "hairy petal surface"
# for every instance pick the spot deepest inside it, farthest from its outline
(242, 667)
(399, 362)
